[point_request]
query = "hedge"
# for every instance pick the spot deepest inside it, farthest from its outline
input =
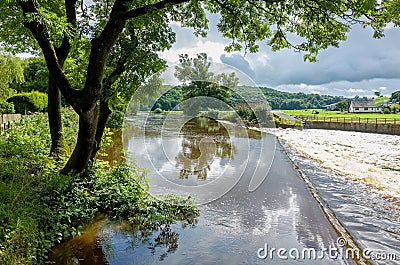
(29, 102)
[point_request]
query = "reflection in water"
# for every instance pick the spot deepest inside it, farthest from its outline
(230, 230)
(202, 141)
(113, 152)
(100, 243)
(84, 250)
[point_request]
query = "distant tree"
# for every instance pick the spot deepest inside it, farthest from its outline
(169, 99)
(11, 75)
(394, 108)
(377, 93)
(35, 74)
(200, 82)
(396, 96)
(342, 105)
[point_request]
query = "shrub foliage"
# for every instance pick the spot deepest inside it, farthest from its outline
(6, 107)
(29, 102)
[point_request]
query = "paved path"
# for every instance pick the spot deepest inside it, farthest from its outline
(283, 115)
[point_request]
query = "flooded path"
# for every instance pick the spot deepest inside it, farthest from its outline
(264, 214)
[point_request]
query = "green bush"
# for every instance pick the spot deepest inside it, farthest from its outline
(211, 113)
(258, 115)
(116, 119)
(228, 116)
(158, 110)
(29, 102)
(245, 113)
(6, 107)
(263, 116)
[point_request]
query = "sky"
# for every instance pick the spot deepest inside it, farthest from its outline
(360, 66)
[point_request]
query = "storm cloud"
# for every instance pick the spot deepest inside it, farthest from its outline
(361, 65)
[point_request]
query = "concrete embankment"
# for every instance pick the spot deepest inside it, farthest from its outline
(357, 127)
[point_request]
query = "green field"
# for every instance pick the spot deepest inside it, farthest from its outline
(324, 113)
(380, 100)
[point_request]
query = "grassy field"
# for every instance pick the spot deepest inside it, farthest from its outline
(379, 101)
(324, 113)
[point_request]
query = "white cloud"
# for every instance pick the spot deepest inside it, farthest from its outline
(382, 88)
(213, 50)
(356, 90)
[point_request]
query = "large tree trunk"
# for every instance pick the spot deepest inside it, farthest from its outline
(104, 113)
(58, 144)
(85, 143)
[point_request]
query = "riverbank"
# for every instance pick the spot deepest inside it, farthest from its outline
(362, 157)
(40, 208)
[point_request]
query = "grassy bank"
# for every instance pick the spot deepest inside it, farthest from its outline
(40, 208)
(324, 113)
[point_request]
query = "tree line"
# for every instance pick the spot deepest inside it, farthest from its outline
(172, 96)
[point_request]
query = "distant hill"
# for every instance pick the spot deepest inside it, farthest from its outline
(276, 99)
(286, 100)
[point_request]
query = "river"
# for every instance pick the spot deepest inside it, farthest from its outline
(255, 207)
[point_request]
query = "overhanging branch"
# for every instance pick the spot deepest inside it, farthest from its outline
(148, 8)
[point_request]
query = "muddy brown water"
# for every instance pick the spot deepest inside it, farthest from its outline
(252, 202)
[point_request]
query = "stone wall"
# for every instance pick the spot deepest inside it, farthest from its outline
(358, 127)
(7, 119)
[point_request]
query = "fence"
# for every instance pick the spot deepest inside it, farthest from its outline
(358, 120)
(7, 119)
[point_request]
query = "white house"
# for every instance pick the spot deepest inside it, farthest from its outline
(364, 107)
(331, 106)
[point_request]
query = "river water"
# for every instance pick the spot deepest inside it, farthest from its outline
(252, 202)
(371, 218)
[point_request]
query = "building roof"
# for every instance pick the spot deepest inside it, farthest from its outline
(363, 104)
(333, 104)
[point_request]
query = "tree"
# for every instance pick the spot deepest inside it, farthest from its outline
(35, 75)
(200, 85)
(11, 75)
(62, 29)
(377, 93)
(396, 96)
(342, 105)
(394, 108)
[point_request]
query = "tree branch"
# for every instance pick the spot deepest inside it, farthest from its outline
(148, 8)
(39, 31)
(101, 47)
